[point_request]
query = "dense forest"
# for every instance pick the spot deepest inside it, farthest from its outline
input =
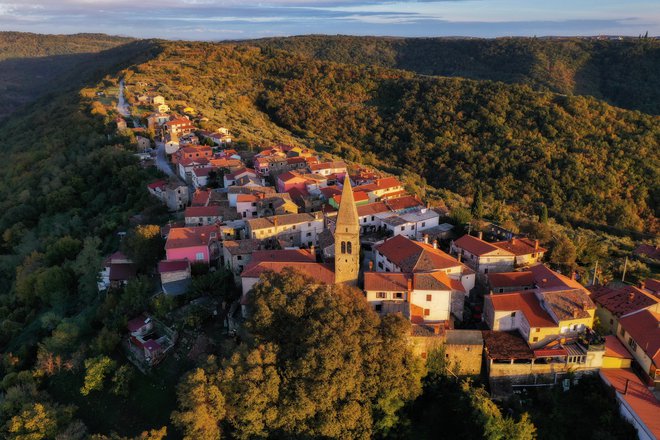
(585, 160)
(33, 64)
(621, 72)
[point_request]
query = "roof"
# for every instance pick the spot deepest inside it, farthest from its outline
(282, 220)
(136, 324)
(527, 303)
(190, 236)
(157, 184)
(386, 281)
(644, 329)
(637, 396)
(652, 285)
(246, 198)
(240, 247)
(282, 256)
(622, 300)
(323, 273)
(372, 208)
(436, 281)
(520, 246)
(178, 287)
(327, 165)
(201, 197)
(464, 337)
(506, 345)
(547, 279)
(122, 271)
(511, 279)
(405, 202)
(478, 247)
(614, 348)
(330, 191)
(649, 250)
(387, 182)
(203, 211)
(415, 256)
(568, 304)
(201, 172)
(173, 266)
(151, 345)
(357, 197)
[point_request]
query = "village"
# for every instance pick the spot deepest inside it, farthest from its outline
(488, 298)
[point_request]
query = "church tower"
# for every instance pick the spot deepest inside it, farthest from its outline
(347, 238)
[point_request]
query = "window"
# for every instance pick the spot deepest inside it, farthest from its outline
(423, 224)
(486, 270)
(632, 344)
(535, 340)
(403, 228)
(537, 330)
(343, 247)
(199, 256)
(239, 257)
(622, 332)
(309, 234)
(513, 314)
(349, 247)
(381, 295)
(378, 307)
(501, 290)
(365, 220)
(398, 295)
(294, 226)
(373, 218)
(427, 312)
(429, 297)
(380, 264)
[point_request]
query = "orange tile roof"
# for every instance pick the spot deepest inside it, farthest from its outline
(526, 302)
(357, 196)
(547, 279)
(637, 396)
(372, 208)
(623, 300)
(436, 281)
(478, 247)
(386, 281)
(511, 279)
(644, 329)
(190, 236)
(323, 273)
(520, 246)
(201, 197)
(283, 256)
(414, 256)
(405, 202)
(614, 348)
(246, 198)
(387, 182)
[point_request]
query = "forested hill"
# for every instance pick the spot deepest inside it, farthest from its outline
(622, 72)
(34, 64)
(586, 160)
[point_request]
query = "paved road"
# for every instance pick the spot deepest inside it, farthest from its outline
(122, 105)
(161, 160)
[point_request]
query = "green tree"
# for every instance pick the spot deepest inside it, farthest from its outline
(201, 407)
(121, 380)
(86, 267)
(543, 218)
(145, 246)
(563, 253)
(477, 209)
(96, 370)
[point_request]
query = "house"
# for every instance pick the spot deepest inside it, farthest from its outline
(140, 326)
(197, 244)
(203, 215)
(411, 224)
(193, 152)
(482, 256)
(651, 286)
(234, 191)
(162, 108)
(157, 100)
(237, 254)
(290, 179)
(229, 179)
(613, 303)
(118, 270)
(276, 204)
(121, 123)
(400, 254)
(186, 166)
(204, 176)
(526, 251)
(156, 120)
(246, 205)
(336, 167)
(616, 354)
(381, 189)
(173, 193)
(401, 205)
(501, 282)
(293, 229)
(148, 341)
(464, 351)
(367, 214)
(143, 143)
(636, 403)
(640, 333)
(423, 298)
(360, 198)
(175, 276)
(179, 126)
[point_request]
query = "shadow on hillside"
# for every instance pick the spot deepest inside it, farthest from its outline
(24, 80)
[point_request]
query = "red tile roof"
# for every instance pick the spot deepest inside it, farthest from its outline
(637, 396)
(122, 271)
(327, 165)
(478, 247)
(357, 196)
(157, 184)
(386, 281)
(201, 197)
(323, 273)
(372, 208)
(283, 256)
(520, 246)
(387, 182)
(644, 329)
(510, 279)
(414, 256)
(614, 348)
(527, 303)
(190, 236)
(136, 324)
(405, 202)
(173, 266)
(652, 285)
(330, 191)
(246, 198)
(203, 211)
(623, 300)
(648, 250)
(547, 279)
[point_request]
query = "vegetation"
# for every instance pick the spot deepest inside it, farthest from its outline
(620, 72)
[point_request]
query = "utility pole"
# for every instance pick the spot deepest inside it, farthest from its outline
(593, 280)
(625, 266)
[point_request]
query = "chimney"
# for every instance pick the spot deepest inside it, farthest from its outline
(642, 284)
(480, 235)
(513, 240)
(371, 266)
(203, 237)
(426, 238)
(536, 245)
(312, 250)
(575, 313)
(276, 221)
(409, 287)
(631, 296)
(459, 257)
(435, 244)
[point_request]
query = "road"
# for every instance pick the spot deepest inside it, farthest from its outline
(122, 105)
(161, 160)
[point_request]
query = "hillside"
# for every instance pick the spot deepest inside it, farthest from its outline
(33, 64)
(586, 160)
(620, 72)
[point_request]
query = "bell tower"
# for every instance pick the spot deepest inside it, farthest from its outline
(347, 238)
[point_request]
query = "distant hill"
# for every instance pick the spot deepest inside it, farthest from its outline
(33, 64)
(621, 72)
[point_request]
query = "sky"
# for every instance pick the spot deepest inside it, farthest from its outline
(242, 19)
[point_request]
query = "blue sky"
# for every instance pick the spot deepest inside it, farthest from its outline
(239, 19)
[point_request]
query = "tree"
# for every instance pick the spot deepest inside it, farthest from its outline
(563, 253)
(34, 423)
(86, 267)
(477, 209)
(121, 380)
(543, 218)
(96, 371)
(201, 407)
(144, 245)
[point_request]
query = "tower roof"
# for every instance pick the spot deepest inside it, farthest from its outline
(347, 215)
